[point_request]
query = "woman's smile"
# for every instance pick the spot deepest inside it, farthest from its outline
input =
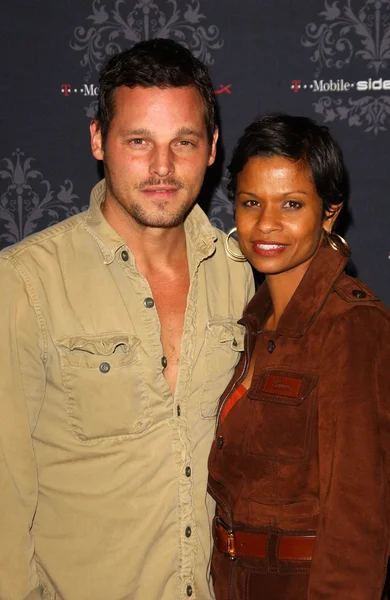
(268, 248)
(279, 216)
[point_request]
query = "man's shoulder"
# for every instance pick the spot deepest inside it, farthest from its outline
(55, 234)
(219, 234)
(238, 275)
(222, 240)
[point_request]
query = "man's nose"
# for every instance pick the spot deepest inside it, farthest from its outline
(162, 163)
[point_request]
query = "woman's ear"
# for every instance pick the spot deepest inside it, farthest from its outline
(330, 217)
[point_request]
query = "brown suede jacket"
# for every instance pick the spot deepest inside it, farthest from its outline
(308, 447)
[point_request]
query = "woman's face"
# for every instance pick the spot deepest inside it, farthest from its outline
(278, 215)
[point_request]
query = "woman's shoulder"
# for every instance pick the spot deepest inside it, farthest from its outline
(352, 294)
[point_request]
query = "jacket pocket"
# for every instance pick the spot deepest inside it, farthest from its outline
(223, 343)
(295, 514)
(287, 582)
(105, 388)
(281, 411)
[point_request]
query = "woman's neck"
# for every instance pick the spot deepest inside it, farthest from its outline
(282, 287)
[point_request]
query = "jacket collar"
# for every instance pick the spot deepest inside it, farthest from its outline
(308, 299)
(200, 235)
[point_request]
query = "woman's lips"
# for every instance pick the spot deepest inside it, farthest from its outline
(268, 248)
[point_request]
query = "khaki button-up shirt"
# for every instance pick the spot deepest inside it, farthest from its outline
(102, 472)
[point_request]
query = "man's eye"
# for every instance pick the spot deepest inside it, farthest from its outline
(137, 141)
(186, 143)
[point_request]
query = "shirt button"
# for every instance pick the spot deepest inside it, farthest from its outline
(178, 410)
(188, 531)
(188, 471)
(164, 361)
(104, 367)
(271, 346)
(149, 302)
(220, 442)
(189, 590)
(125, 255)
(359, 294)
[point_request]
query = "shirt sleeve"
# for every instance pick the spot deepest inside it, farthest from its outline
(350, 555)
(250, 283)
(22, 385)
(35, 594)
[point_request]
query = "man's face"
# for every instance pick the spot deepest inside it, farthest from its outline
(155, 154)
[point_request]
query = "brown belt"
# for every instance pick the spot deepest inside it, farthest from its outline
(242, 543)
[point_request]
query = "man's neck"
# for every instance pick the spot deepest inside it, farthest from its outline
(159, 250)
(154, 248)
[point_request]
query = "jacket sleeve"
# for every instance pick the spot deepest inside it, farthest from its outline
(351, 550)
(22, 385)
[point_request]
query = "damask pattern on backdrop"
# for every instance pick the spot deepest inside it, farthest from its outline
(328, 59)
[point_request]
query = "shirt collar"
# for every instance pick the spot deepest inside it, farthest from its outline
(308, 299)
(200, 234)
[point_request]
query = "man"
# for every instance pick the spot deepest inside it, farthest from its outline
(118, 334)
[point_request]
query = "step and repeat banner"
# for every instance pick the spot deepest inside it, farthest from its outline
(326, 59)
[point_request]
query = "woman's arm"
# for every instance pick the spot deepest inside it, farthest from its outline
(352, 546)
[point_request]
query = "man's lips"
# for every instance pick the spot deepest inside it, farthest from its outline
(268, 248)
(166, 189)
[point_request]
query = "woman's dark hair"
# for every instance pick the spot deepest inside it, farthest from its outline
(161, 63)
(299, 139)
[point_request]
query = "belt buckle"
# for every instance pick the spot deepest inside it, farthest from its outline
(231, 545)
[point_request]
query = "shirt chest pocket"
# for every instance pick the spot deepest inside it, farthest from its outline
(105, 390)
(223, 343)
(281, 413)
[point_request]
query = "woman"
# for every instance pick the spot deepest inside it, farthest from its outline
(299, 464)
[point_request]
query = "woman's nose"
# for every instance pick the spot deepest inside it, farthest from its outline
(269, 220)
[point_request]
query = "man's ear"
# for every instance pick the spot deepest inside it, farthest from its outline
(96, 140)
(331, 216)
(213, 149)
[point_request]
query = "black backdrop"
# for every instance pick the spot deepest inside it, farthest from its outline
(322, 58)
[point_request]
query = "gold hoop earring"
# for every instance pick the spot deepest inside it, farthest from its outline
(233, 255)
(344, 244)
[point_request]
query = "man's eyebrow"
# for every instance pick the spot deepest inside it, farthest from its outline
(141, 131)
(188, 131)
(148, 133)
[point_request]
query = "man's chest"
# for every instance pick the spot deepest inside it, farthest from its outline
(170, 297)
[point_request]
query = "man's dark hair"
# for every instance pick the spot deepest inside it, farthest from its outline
(301, 140)
(161, 63)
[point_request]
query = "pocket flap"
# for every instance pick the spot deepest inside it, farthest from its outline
(102, 345)
(283, 387)
(228, 332)
(307, 507)
(89, 350)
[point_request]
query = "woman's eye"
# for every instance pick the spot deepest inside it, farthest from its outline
(294, 204)
(246, 203)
